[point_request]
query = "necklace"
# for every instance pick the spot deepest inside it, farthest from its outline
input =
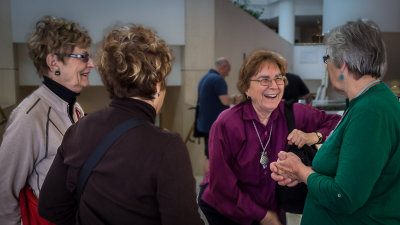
(264, 157)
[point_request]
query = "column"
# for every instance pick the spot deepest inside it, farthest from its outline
(286, 20)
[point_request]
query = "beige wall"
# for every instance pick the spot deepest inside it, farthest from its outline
(7, 67)
(93, 98)
(198, 57)
(392, 77)
(237, 34)
(8, 86)
(392, 41)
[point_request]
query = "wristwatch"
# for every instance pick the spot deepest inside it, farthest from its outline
(319, 135)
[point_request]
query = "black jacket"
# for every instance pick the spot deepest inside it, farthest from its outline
(144, 178)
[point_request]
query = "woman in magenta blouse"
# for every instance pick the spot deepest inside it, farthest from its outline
(247, 137)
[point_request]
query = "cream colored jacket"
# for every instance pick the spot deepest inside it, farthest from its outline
(33, 134)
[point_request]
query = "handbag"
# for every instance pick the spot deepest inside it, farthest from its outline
(292, 199)
(28, 205)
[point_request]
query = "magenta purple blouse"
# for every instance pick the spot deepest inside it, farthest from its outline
(239, 187)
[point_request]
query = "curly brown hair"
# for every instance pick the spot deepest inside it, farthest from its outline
(252, 65)
(132, 60)
(55, 36)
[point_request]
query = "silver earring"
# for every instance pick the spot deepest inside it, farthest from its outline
(248, 97)
(57, 73)
(158, 94)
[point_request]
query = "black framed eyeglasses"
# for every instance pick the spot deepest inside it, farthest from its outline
(279, 80)
(325, 58)
(85, 57)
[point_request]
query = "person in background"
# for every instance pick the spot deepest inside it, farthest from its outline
(213, 98)
(145, 177)
(296, 88)
(60, 51)
(355, 176)
(245, 138)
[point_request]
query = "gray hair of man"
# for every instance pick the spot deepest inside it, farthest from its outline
(221, 61)
(359, 44)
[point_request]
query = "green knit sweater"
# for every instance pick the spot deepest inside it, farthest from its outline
(357, 179)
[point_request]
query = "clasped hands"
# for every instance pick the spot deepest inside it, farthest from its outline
(288, 170)
(284, 170)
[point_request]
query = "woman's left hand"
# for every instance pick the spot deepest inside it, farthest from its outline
(290, 166)
(281, 180)
(299, 138)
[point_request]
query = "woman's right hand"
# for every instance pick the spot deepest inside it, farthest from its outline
(271, 218)
(281, 180)
(290, 166)
(300, 138)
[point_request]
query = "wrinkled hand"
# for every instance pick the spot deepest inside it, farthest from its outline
(289, 170)
(299, 138)
(271, 218)
(282, 180)
(288, 165)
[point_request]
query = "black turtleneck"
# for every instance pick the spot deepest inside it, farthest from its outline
(62, 92)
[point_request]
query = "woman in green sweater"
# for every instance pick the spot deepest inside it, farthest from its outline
(355, 176)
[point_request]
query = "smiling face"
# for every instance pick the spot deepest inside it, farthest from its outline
(265, 99)
(74, 73)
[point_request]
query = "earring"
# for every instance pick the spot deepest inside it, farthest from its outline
(248, 97)
(158, 94)
(341, 76)
(57, 73)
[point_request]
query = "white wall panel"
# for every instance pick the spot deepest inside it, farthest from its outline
(384, 12)
(307, 61)
(166, 17)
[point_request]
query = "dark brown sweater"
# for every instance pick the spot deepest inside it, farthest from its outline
(144, 178)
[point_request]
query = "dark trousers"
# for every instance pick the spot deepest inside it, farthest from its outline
(206, 136)
(212, 215)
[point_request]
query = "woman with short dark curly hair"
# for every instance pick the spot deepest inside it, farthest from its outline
(145, 177)
(60, 51)
(132, 69)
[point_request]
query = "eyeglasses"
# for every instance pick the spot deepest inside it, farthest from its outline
(279, 80)
(325, 58)
(85, 57)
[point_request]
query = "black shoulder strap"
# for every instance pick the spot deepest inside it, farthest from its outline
(289, 116)
(102, 148)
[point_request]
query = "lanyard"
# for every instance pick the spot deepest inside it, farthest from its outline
(358, 94)
(366, 86)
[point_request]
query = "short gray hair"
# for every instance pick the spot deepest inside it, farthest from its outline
(360, 45)
(221, 61)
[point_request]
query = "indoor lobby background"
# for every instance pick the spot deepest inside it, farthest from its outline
(198, 32)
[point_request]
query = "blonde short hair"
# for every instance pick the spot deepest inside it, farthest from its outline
(132, 60)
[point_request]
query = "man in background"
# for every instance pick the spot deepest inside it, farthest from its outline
(296, 88)
(213, 98)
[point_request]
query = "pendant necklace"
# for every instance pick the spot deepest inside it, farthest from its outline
(264, 157)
